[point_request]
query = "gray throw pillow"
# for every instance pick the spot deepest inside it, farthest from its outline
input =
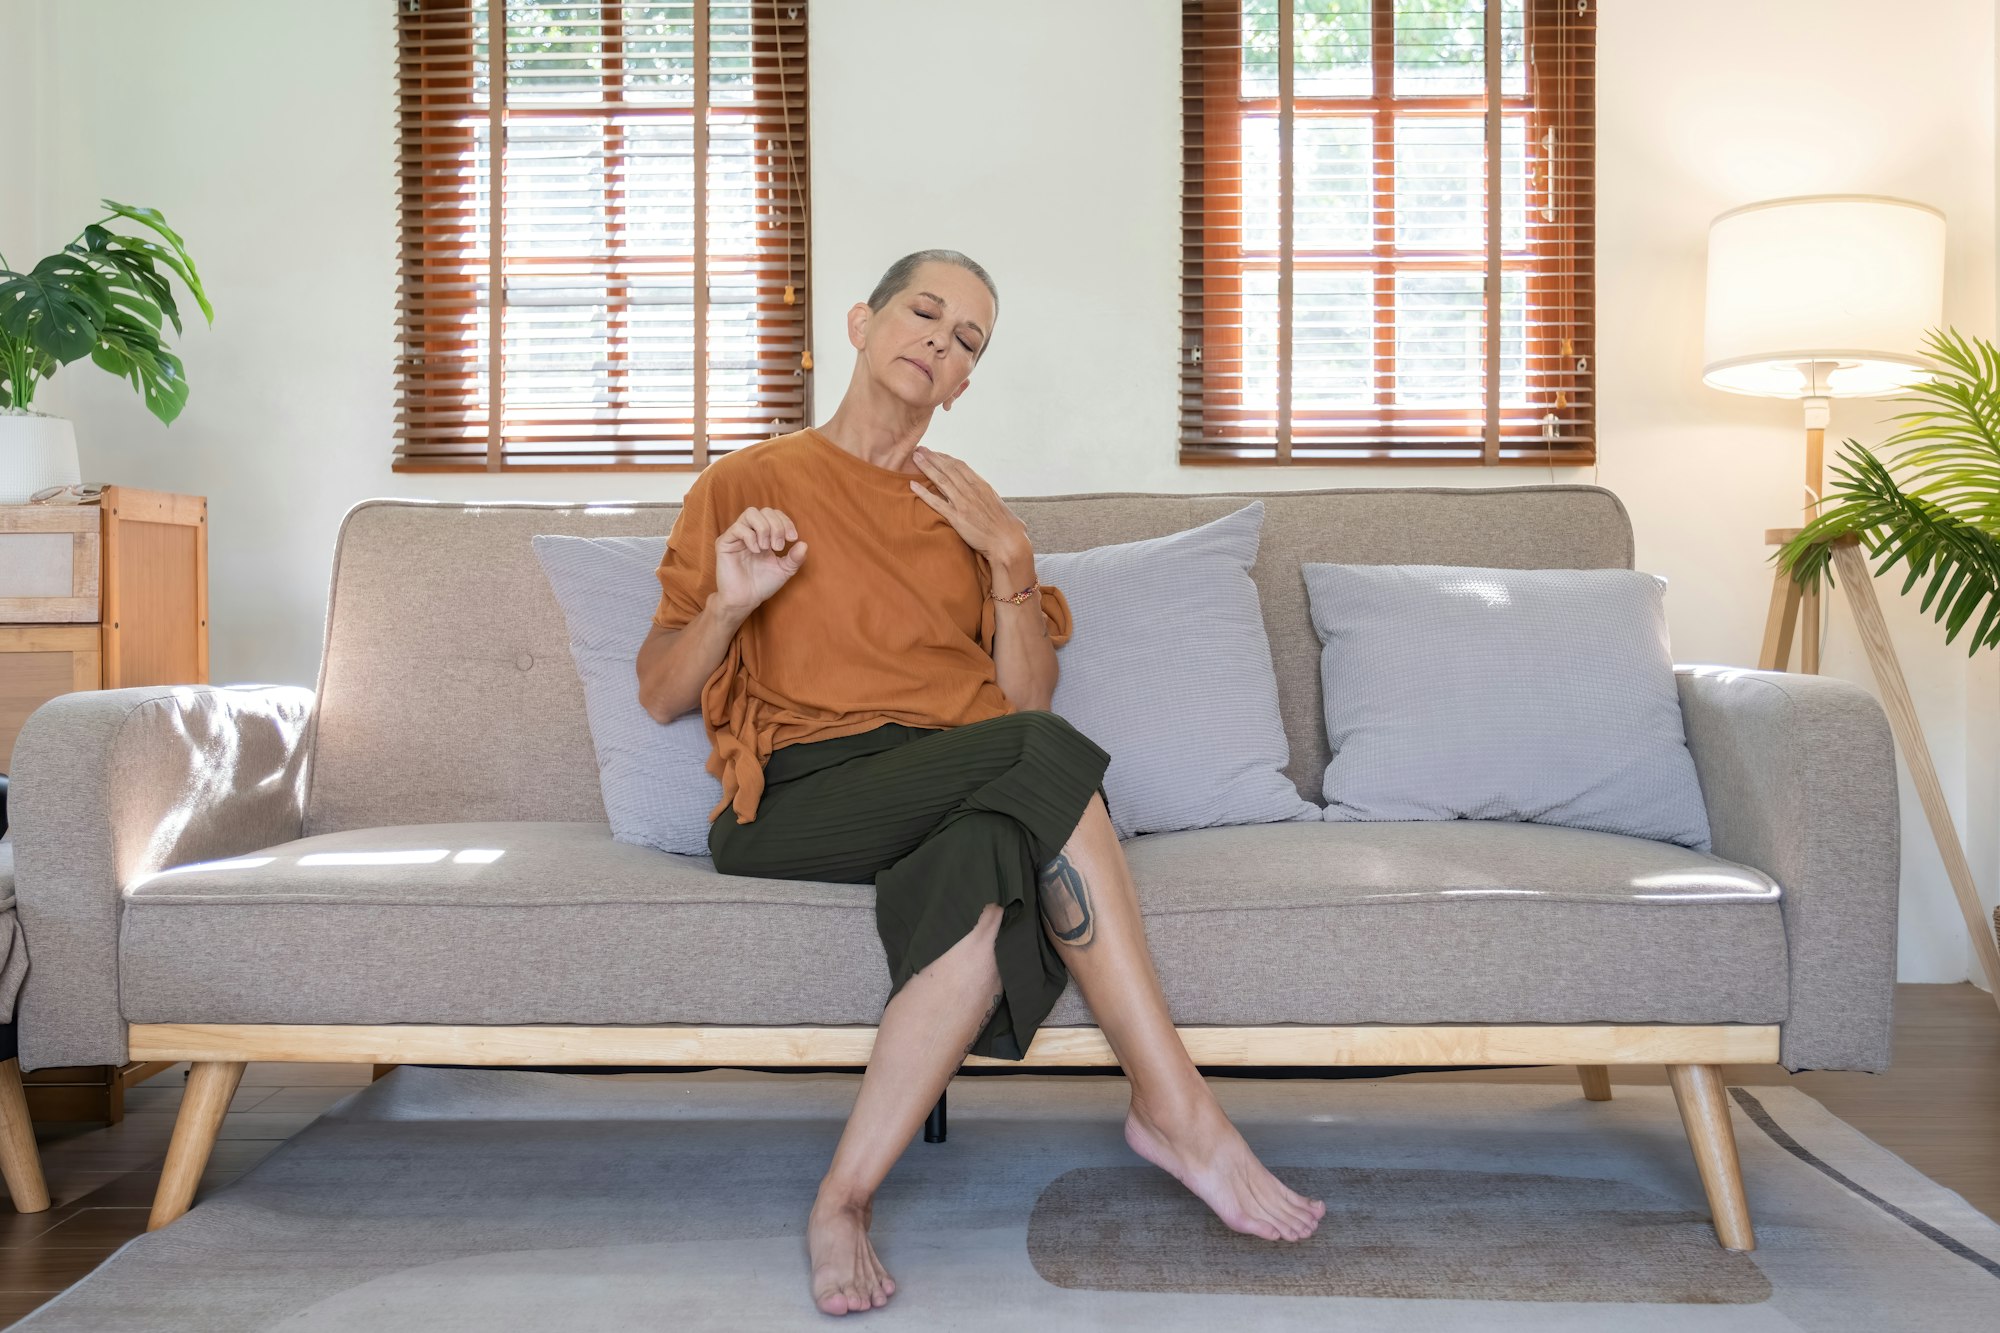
(657, 788)
(1168, 669)
(1539, 695)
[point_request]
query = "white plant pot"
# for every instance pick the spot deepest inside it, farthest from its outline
(35, 451)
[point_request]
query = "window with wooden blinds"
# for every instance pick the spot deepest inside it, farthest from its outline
(1387, 231)
(604, 247)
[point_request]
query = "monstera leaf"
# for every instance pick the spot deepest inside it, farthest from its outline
(106, 296)
(55, 306)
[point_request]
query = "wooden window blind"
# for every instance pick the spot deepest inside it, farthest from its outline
(604, 258)
(1387, 231)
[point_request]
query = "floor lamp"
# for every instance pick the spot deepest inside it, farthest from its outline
(1817, 298)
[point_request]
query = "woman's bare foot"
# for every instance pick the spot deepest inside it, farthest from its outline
(846, 1275)
(1202, 1150)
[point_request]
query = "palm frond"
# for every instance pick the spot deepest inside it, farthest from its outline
(1960, 559)
(1948, 451)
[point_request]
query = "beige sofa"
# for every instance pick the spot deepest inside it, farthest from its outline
(411, 863)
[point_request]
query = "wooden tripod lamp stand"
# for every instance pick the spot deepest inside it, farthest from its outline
(1816, 298)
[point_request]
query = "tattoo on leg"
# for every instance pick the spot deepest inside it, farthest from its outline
(1066, 902)
(991, 1009)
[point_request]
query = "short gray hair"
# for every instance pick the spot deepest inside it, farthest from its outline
(904, 271)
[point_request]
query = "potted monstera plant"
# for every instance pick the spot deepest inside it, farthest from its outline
(1934, 506)
(107, 295)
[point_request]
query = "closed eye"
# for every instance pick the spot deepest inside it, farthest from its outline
(961, 342)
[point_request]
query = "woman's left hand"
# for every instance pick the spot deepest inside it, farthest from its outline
(973, 507)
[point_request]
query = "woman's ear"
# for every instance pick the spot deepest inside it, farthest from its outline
(857, 324)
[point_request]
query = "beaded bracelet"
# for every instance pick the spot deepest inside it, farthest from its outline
(1020, 596)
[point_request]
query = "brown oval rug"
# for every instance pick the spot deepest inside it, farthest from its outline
(1400, 1234)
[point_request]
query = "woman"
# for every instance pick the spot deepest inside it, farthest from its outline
(859, 621)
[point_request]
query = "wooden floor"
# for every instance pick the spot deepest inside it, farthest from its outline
(1938, 1109)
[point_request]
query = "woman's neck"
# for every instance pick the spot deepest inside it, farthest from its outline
(887, 443)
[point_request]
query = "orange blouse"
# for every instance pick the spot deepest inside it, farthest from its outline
(890, 619)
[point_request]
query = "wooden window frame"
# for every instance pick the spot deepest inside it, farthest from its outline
(1559, 55)
(441, 386)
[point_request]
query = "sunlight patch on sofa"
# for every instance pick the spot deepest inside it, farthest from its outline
(1716, 884)
(237, 863)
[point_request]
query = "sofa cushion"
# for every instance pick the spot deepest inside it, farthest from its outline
(1534, 694)
(1168, 669)
(657, 787)
(1298, 922)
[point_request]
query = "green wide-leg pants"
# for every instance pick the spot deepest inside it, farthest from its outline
(944, 821)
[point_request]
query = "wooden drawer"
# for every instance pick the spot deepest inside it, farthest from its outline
(49, 564)
(38, 662)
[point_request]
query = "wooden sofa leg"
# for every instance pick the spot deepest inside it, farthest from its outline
(20, 1160)
(1705, 1114)
(1596, 1082)
(210, 1086)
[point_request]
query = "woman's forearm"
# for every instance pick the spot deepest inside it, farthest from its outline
(1024, 659)
(675, 664)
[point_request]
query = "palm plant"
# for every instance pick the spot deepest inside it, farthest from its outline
(106, 295)
(1942, 519)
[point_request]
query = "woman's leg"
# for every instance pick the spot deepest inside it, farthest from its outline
(923, 1038)
(1091, 911)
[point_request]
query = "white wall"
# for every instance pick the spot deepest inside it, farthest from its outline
(266, 132)
(20, 170)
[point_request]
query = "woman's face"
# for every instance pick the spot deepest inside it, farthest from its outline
(922, 345)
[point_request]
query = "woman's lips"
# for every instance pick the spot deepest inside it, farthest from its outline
(920, 366)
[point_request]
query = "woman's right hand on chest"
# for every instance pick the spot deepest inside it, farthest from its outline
(755, 556)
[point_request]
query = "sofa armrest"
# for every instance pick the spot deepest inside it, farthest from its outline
(1799, 776)
(110, 786)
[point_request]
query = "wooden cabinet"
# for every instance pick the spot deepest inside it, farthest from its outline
(38, 662)
(100, 597)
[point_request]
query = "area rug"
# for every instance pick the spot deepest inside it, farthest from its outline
(465, 1199)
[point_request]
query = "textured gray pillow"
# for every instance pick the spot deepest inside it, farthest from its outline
(1169, 669)
(657, 788)
(1544, 695)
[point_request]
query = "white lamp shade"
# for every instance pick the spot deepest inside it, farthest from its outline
(1823, 296)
